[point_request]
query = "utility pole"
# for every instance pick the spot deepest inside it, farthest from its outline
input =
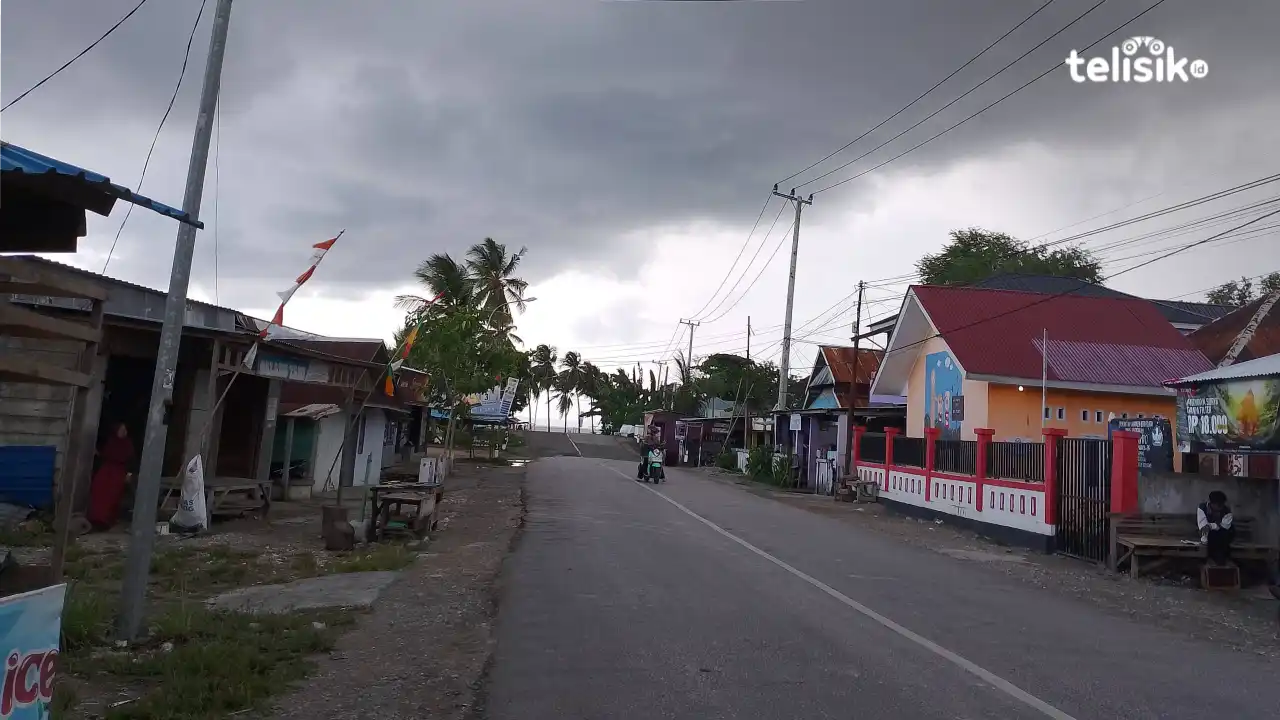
(748, 338)
(785, 366)
(857, 363)
(143, 527)
(692, 324)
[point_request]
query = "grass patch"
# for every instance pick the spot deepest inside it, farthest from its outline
(200, 663)
(381, 557)
(86, 618)
(19, 537)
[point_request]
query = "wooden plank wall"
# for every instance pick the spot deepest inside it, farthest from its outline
(34, 414)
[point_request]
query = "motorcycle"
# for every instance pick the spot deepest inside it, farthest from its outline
(653, 468)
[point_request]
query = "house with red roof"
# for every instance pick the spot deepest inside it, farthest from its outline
(969, 358)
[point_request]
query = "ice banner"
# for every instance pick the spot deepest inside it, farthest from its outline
(30, 625)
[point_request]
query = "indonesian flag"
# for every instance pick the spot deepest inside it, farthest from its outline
(318, 251)
(403, 354)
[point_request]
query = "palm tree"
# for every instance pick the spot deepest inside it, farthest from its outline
(593, 380)
(573, 376)
(564, 403)
(544, 373)
(497, 290)
(441, 275)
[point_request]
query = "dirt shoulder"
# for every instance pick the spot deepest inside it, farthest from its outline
(1248, 620)
(422, 651)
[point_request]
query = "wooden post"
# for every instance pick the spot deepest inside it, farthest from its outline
(71, 457)
(88, 440)
(267, 443)
(213, 435)
(288, 453)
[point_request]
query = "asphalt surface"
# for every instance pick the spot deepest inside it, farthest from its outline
(695, 600)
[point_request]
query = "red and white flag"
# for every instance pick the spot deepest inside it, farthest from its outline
(319, 249)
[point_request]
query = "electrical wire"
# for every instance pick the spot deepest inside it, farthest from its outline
(79, 55)
(186, 57)
(748, 269)
(741, 250)
(1015, 91)
(217, 184)
(1054, 296)
(911, 104)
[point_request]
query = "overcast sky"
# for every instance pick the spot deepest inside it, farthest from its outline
(630, 145)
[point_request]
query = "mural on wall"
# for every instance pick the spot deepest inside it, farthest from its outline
(943, 388)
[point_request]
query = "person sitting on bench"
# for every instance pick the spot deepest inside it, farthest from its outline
(1216, 529)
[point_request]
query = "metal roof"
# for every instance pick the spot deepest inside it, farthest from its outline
(1216, 338)
(1268, 366)
(1100, 340)
(21, 161)
(1175, 311)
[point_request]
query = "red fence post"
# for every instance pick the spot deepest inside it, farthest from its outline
(858, 432)
(889, 435)
(1051, 438)
(1124, 471)
(930, 457)
(984, 455)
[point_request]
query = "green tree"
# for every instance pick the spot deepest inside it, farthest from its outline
(573, 378)
(544, 373)
(492, 270)
(974, 254)
(564, 403)
(1240, 293)
(441, 275)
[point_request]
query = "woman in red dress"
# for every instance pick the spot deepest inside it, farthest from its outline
(107, 490)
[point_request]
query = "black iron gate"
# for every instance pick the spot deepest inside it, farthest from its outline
(1084, 498)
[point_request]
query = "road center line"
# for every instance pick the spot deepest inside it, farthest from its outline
(574, 444)
(969, 666)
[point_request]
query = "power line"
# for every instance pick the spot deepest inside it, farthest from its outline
(933, 114)
(1025, 85)
(1054, 296)
(749, 264)
(217, 184)
(186, 57)
(741, 250)
(79, 55)
(911, 104)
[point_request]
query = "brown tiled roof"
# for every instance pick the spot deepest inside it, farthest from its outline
(841, 360)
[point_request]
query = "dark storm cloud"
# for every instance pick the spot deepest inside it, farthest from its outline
(567, 126)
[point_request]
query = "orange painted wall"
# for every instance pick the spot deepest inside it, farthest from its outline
(1014, 414)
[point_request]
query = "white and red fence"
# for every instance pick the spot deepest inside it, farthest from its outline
(957, 478)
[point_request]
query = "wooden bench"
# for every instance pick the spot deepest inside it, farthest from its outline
(1165, 536)
(222, 495)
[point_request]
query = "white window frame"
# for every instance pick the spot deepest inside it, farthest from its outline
(1062, 413)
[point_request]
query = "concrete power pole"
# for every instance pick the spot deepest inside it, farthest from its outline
(692, 324)
(857, 363)
(143, 527)
(748, 338)
(785, 366)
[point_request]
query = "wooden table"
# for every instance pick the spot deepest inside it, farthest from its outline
(223, 495)
(388, 497)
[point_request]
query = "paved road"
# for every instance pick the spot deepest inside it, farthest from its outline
(698, 600)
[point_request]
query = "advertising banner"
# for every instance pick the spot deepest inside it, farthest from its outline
(1155, 444)
(1241, 416)
(30, 625)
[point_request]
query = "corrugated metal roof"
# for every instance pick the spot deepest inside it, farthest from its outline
(841, 360)
(1215, 339)
(21, 161)
(374, 351)
(996, 332)
(1110, 364)
(1268, 366)
(1182, 313)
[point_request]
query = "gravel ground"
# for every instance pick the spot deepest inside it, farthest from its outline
(1248, 621)
(423, 650)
